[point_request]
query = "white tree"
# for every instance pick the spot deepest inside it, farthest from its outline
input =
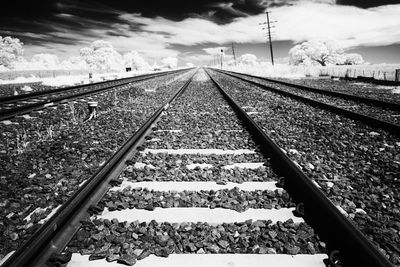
(45, 61)
(134, 60)
(74, 63)
(323, 52)
(102, 56)
(353, 59)
(87, 55)
(248, 60)
(10, 51)
(328, 52)
(298, 56)
(38, 62)
(155, 66)
(170, 62)
(99, 44)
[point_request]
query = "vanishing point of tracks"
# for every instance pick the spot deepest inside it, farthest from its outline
(158, 195)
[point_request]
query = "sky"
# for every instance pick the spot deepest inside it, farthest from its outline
(194, 31)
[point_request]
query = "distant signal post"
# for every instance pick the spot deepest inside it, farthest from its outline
(222, 51)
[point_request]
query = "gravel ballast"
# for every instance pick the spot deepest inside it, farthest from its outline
(128, 242)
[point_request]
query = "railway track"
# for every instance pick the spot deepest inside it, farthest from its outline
(375, 112)
(200, 182)
(12, 106)
(343, 95)
(344, 157)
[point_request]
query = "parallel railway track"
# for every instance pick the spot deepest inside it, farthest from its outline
(203, 127)
(346, 96)
(377, 113)
(12, 106)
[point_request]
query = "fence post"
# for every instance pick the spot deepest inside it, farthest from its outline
(397, 76)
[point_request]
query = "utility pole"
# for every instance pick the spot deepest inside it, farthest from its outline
(233, 52)
(269, 37)
(222, 51)
(268, 24)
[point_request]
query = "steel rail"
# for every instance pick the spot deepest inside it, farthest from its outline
(340, 234)
(374, 122)
(11, 113)
(8, 99)
(54, 235)
(366, 100)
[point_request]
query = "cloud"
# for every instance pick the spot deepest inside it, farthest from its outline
(229, 8)
(197, 59)
(368, 3)
(155, 37)
(350, 25)
(213, 56)
(279, 3)
(215, 50)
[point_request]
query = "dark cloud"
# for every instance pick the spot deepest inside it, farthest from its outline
(106, 10)
(117, 33)
(367, 3)
(180, 9)
(36, 21)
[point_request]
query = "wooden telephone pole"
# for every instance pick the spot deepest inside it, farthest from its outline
(269, 36)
